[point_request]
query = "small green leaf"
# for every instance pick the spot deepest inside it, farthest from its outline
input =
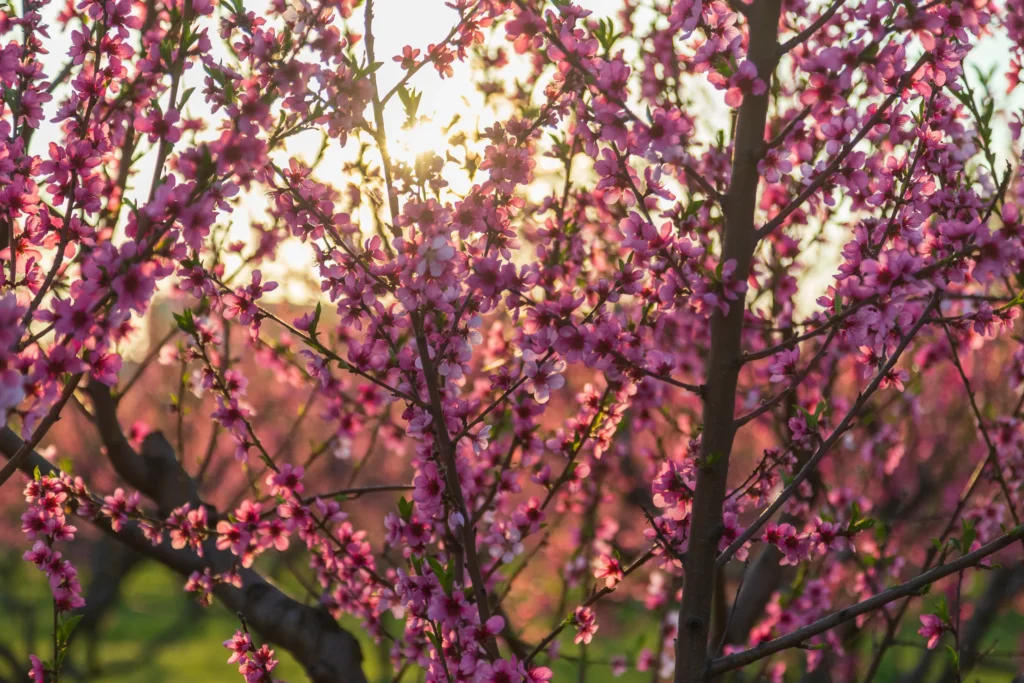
(434, 639)
(315, 322)
(445, 576)
(968, 535)
(405, 508)
(186, 322)
(942, 609)
(67, 626)
(954, 657)
(812, 420)
(862, 525)
(708, 462)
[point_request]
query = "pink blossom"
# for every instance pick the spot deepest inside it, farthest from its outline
(744, 82)
(586, 625)
(160, 126)
(543, 375)
(932, 628)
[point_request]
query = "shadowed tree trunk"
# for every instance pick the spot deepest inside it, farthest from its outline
(739, 241)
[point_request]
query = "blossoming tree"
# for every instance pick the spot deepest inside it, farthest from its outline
(722, 322)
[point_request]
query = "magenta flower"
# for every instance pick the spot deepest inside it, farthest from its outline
(106, 367)
(159, 126)
(119, 508)
(932, 628)
(408, 57)
(608, 568)
(744, 82)
(38, 672)
(586, 625)
(287, 482)
(784, 364)
(543, 376)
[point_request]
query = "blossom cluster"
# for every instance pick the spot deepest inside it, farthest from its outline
(606, 362)
(45, 522)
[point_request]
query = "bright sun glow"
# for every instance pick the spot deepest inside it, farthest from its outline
(408, 144)
(424, 136)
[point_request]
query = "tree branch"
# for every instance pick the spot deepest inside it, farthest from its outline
(804, 35)
(740, 659)
(833, 166)
(328, 653)
(21, 454)
(812, 462)
(739, 239)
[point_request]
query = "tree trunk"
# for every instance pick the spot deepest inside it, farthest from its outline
(739, 240)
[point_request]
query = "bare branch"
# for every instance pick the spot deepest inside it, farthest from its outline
(805, 35)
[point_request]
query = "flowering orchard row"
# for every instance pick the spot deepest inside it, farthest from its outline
(724, 322)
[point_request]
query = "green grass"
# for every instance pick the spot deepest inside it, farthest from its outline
(154, 634)
(158, 635)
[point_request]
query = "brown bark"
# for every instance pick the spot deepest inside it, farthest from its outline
(765, 576)
(739, 240)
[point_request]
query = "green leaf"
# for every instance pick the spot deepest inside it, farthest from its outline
(67, 626)
(405, 508)
(444, 575)
(316, 321)
(186, 322)
(942, 609)
(367, 70)
(411, 102)
(954, 657)
(862, 525)
(812, 420)
(434, 639)
(967, 536)
(708, 462)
